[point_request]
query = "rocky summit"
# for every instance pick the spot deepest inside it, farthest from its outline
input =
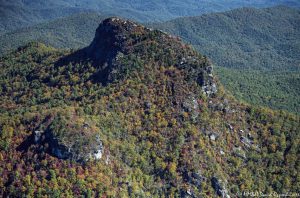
(119, 44)
(137, 113)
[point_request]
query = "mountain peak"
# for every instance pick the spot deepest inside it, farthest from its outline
(117, 21)
(111, 36)
(120, 44)
(116, 25)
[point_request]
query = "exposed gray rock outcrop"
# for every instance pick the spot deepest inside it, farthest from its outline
(190, 105)
(220, 187)
(67, 139)
(209, 86)
(239, 152)
(78, 149)
(37, 135)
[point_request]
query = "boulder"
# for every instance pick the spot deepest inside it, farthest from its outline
(197, 180)
(209, 89)
(97, 154)
(193, 178)
(247, 142)
(230, 127)
(188, 193)
(209, 69)
(147, 105)
(219, 186)
(239, 152)
(250, 137)
(37, 135)
(60, 151)
(212, 137)
(191, 105)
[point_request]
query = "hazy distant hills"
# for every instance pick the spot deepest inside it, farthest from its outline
(74, 31)
(15, 15)
(23, 13)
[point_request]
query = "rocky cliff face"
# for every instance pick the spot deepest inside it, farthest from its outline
(119, 45)
(70, 138)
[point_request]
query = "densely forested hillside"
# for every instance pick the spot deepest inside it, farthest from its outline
(274, 89)
(22, 13)
(137, 113)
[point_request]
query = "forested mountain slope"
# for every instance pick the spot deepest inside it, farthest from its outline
(274, 89)
(137, 113)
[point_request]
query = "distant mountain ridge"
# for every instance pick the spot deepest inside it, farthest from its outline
(74, 31)
(15, 15)
(23, 13)
(244, 38)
